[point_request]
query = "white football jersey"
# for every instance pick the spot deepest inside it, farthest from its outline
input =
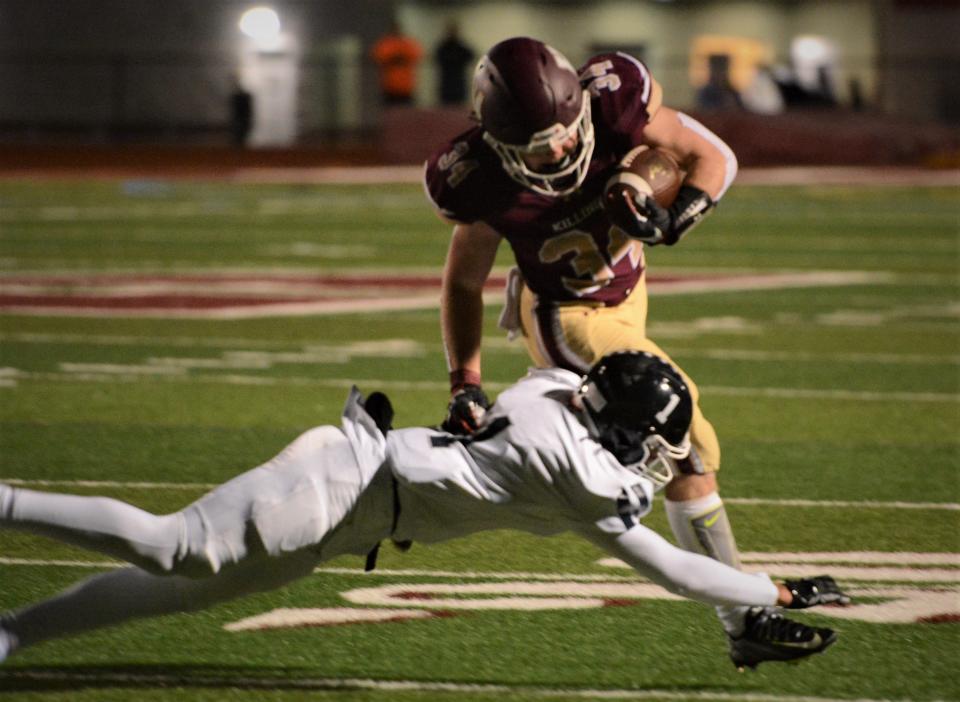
(534, 468)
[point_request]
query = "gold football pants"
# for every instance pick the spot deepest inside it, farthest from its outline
(576, 335)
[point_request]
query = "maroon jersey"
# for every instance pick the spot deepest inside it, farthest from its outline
(566, 247)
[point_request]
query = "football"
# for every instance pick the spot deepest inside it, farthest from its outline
(652, 171)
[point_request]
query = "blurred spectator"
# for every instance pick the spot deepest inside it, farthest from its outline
(763, 95)
(397, 55)
(795, 94)
(453, 56)
(719, 93)
(241, 115)
(825, 85)
(856, 95)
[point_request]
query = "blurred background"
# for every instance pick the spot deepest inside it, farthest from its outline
(305, 82)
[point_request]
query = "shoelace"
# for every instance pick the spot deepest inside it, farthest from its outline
(775, 627)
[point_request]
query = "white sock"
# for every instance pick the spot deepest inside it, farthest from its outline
(701, 526)
(100, 524)
(125, 594)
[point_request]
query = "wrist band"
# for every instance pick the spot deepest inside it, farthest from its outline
(463, 376)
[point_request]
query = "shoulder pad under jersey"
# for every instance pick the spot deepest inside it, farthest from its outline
(625, 96)
(463, 178)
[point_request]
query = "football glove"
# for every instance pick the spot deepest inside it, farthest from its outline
(380, 410)
(641, 217)
(810, 592)
(466, 410)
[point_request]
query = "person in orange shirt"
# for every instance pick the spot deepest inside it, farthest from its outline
(397, 55)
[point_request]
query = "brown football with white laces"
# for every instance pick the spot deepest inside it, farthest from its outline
(650, 171)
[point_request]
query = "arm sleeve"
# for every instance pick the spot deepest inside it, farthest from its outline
(729, 158)
(683, 573)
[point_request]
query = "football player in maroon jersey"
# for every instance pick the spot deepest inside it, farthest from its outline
(534, 172)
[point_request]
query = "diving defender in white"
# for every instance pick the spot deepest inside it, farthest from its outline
(557, 452)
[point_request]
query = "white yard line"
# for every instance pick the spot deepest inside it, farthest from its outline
(749, 501)
(114, 373)
(208, 681)
(721, 354)
(812, 175)
(916, 568)
(112, 484)
(830, 394)
(58, 563)
(857, 504)
(497, 343)
(872, 574)
(152, 342)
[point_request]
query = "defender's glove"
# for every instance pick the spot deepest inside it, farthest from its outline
(810, 592)
(641, 217)
(466, 410)
(380, 410)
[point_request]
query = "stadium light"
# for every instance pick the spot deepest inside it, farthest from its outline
(262, 24)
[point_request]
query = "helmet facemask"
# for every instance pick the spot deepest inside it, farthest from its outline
(639, 409)
(660, 460)
(651, 456)
(564, 177)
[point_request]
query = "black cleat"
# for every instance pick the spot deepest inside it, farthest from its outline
(769, 636)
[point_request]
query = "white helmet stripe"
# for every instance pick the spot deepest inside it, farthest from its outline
(647, 82)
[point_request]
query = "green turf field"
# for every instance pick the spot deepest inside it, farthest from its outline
(837, 405)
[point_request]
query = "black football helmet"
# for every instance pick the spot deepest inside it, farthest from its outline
(528, 99)
(640, 409)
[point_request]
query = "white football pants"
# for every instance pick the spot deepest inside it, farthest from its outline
(257, 532)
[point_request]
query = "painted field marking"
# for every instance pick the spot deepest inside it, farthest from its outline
(58, 563)
(900, 605)
(213, 682)
(780, 568)
(114, 373)
(763, 558)
(722, 354)
(770, 176)
(238, 345)
(857, 504)
(112, 484)
(933, 595)
(232, 295)
(830, 394)
(323, 616)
